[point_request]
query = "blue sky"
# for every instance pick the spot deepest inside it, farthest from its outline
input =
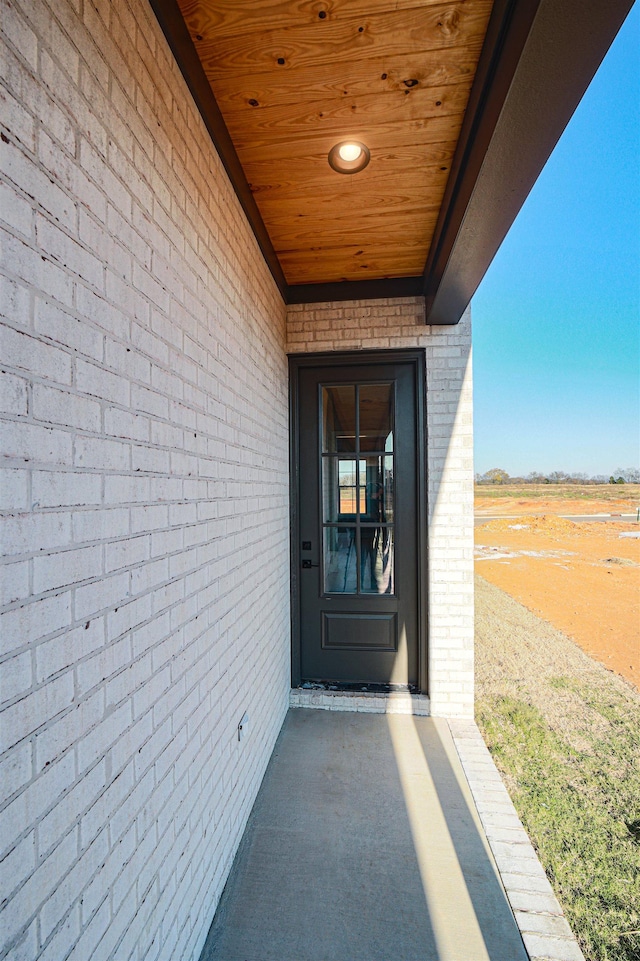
(556, 320)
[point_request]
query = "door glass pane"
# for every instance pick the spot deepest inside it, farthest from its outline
(372, 485)
(376, 560)
(358, 488)
(340, 492)
(387, 489)
(340, 560)
(339, 419)
(376, 417)
(376, 480)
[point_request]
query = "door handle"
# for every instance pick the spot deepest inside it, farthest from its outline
(307, 564)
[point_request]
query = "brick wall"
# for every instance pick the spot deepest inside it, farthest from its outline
(144, 492)
(386, 324)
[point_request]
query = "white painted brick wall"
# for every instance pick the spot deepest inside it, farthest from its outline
(144, 490)
(387, 324)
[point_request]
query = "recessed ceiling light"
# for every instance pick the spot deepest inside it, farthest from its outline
(349, 157)
(349, 151)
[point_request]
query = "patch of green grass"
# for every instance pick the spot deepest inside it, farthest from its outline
(581, 810)
(600, 492)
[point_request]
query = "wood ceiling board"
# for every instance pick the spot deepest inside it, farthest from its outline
(344, 264)
(274, 88)
(321, 251)
(394, 33)
(335, 118)
(353, 48)
(330, 218)
(348, 264)
(308, 153)
(231, 17)
(315, 261)
(388, 136)
(405, 205)
(363, 217)
(308, 253)
(345, 272)
(424, 184)
(401, 230)
(370, 215)
(349, 243)
(347, 258)
(311, 169)
(371, 203)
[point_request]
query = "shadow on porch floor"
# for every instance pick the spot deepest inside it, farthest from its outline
(364, 845)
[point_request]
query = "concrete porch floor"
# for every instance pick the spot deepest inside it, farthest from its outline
(365, 844)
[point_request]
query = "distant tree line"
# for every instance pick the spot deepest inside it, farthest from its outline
(621, 475)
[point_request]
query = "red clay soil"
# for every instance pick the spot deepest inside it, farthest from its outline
(570, 505)
(583, 578)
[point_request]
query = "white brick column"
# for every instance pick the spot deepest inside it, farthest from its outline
(398, 323)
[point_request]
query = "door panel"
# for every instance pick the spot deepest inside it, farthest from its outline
(359, 632)
(358, 496)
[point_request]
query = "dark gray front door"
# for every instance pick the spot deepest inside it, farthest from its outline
(358, 523)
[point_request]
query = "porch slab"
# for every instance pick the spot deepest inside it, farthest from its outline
(364, 845)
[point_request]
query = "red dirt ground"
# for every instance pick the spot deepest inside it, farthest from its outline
(584, 578)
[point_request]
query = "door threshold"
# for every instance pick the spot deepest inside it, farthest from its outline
(365, 702)
(358, 687)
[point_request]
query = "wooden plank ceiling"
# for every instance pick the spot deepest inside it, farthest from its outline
(294, 77)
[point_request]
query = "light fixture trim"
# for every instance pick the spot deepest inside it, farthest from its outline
(338, 163)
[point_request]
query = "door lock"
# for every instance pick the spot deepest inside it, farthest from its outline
(307, 564)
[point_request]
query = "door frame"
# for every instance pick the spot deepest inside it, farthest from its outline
(298, 362)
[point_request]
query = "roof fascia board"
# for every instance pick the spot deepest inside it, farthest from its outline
(566, 44)
(173, 26)
(507, 32)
